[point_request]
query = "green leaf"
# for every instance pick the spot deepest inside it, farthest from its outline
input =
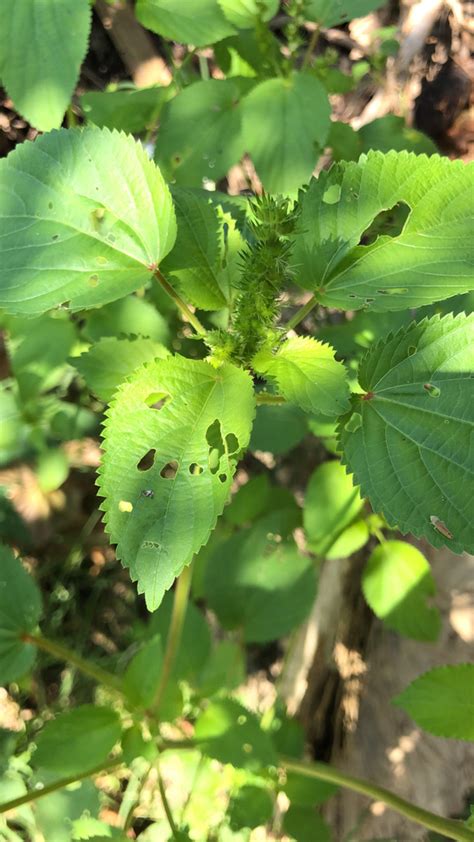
(215, 142)
(244, 14)
(39, 366)
(110, 361)
(20, 611)
(230, 733)
(197, 257)
(128, 110)
(285, 125)
(197, 22)
(429, 260)
(171, 442)
(307, 374)
(303, 824)
(269, 588)
(278, 428)
(334, 12)
(442, 701)
(86, 217)
(52, 469)
(143, 673)
(56, 813)
(353, 538)
(77, 740)
(42, 46)
(307, 792)
(391, 132)
(332, 502)
(251, 806)
(131, 316)
(195, 645)
(224, 669)
(397, 583)
(408, 439)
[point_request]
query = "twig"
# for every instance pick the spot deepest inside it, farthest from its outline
(180, 604)
(186, 311)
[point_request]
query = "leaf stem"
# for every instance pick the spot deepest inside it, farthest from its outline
(180, 604)
(301, 313)
(57, 650)
(46, 790)
(266, 398)
(320, 771)
(180, 303)
(310, 49)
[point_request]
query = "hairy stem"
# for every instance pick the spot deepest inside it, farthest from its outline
(47, 790)
(181, 597)
(62, 653)
(320, 771)
(180, 303)
(301, 313)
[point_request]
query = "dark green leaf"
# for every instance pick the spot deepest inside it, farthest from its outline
(77, 740)
(20, 611)
(442, 701)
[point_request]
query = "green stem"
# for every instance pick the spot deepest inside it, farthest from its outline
(39, 793)
(166, 807)
(310, 49)
(266, 398)
(203, 68)
(181, 305)
(301, 313)
(62, 653)
(448, 827)
(180, 604)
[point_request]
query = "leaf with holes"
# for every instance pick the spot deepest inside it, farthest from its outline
(110, 361)
(307, 374)
(86, 217)
(197, 260)
(430, 259)
(285, 126)
(442, 701)
(197, 22)
(409, 437)
(397, 583)
(42, 46)
(171, 441)
(215, 143)
(20, 611)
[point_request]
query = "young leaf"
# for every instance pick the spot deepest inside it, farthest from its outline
(332, 502)
(197, 22)
(307, 374)
(430, 259)
(20, 611)
(397, 582)
(215, 142)
(77, 740)
(171, 442)
(232, 734)
(42, 46)
(269, 588)
(335, 12)
(244, 14)
(197, 256)
(442, 701)
(408, 438)
(86, 217)
(110, 361)
(285, 121)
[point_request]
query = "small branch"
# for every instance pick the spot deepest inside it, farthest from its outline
(265, 398)
(310, 49)
(70, 657)
(181, 305)
(301, 313)
(166, 807)
(39, 793)
(180, 604)
(320, 771)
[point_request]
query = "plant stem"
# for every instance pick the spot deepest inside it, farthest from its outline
(320, 771)
(57, 650)
(38, 793)
(186, 311)
(301, 313)
(267, 398)
(310, 49)
(166, 806)
(180, 604)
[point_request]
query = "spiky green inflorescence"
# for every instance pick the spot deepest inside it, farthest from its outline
(265, 271)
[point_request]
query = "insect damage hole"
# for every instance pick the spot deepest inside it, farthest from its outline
(169, 470)
(195, 470)
(390, 222)
(157, 400)
(216, 445)
(147, 461)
